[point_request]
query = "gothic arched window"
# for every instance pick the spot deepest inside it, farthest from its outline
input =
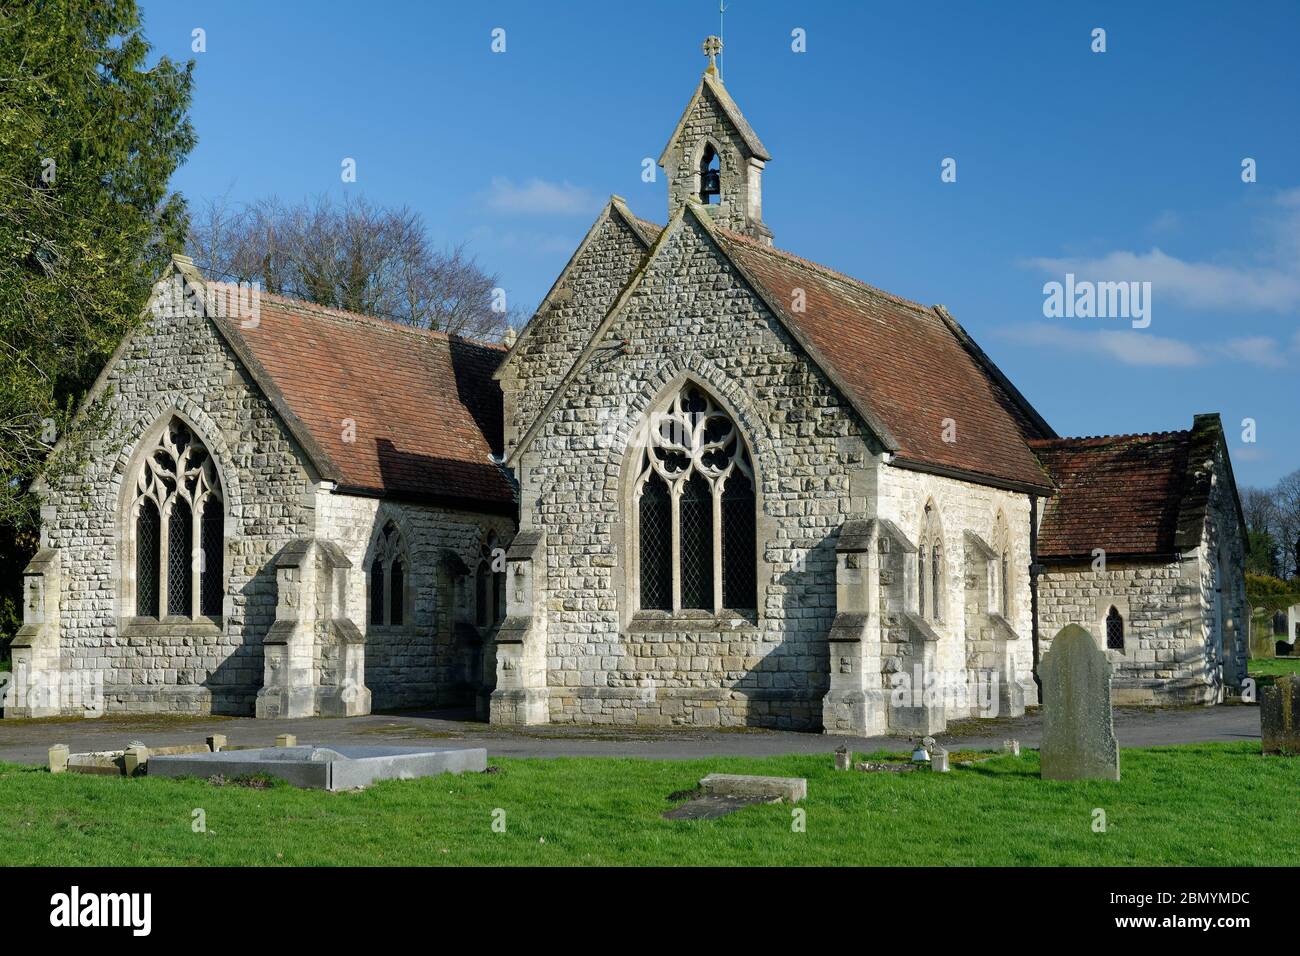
(490, 584)
(388, 578)
(695, 504)
(929, 566)
(178, 529)
(1114, 630)
(1003, 585)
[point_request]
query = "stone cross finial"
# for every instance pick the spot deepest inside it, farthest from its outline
(712, 47)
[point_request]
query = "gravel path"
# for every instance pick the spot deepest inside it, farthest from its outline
(26, 741)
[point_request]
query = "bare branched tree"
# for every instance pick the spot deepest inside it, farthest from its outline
(351, 255)
(1274, 514)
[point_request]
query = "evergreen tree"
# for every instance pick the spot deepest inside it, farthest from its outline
(90, 134)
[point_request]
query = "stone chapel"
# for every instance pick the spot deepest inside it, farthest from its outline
(709, 484)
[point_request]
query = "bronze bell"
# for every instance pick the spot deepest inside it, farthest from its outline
(710, 183)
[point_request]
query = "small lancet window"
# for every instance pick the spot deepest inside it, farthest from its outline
(388, 578)
(930, 566)
(1004, 590)
(490, 584)
(1114, 630)
(710, 175)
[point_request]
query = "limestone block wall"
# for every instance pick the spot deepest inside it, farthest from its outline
(1225, 612)
(1185, 620)
(962, 506)
(1163, 660)
(426, 661)
(559, 333)
(178, 365)
(693, 317)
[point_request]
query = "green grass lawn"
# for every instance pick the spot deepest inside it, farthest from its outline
(1208, 804)
(1274, 666)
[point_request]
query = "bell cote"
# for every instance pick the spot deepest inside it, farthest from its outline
(715, 158)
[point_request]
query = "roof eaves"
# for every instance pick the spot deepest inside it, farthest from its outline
(1046, 489)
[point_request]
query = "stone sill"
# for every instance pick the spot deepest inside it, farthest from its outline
(148, 627)
(665, 622)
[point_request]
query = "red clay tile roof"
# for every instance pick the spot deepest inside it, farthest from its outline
(1125, 494)
(909, 365)
(427, 411)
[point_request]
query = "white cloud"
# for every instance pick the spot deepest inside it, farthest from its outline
(1133, 347)
(1271, 283)
(1126, 345)
(1262, 350)
(539, 197)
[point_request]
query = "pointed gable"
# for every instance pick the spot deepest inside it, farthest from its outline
(904, 368)
(711, 97)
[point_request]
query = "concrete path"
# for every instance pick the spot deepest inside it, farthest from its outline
(27, 741)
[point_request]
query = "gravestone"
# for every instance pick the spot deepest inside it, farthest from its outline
(1078, 729)
(1262, 641)
(1279, 715)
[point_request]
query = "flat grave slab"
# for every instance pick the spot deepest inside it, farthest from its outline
(789, 789)
(324, 768)
(710, 806)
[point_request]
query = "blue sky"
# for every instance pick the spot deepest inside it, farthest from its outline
(1117, 166)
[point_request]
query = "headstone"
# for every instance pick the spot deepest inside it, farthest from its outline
(1262, 642)
(1078, 728)
(286, 740)
(59, 758)
(216, 743)
(1011, 746)
(843, 759)
(939, 761)
(1279, 715)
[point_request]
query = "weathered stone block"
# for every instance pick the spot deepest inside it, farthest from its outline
(1279, 716)
(789, 789)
